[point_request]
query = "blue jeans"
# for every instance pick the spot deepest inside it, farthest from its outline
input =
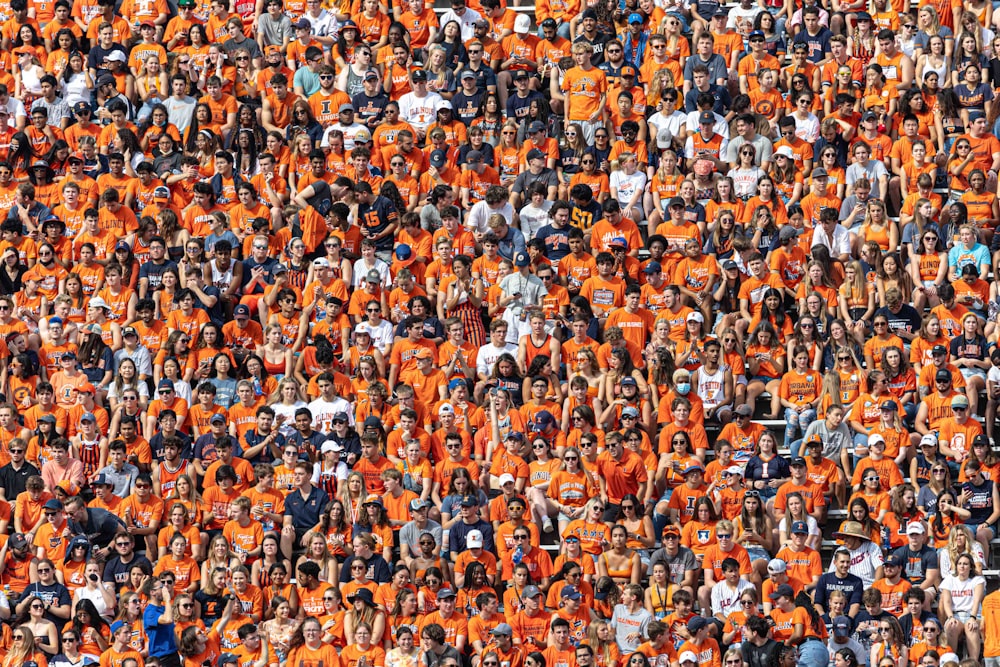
(813, 653)
(795, 420)
(562, 30)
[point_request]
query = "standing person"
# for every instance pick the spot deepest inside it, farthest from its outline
(585, 88)
(158, 620)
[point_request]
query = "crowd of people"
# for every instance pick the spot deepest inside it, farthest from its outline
(369, 334)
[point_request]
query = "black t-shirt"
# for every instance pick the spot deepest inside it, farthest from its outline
(906, 320)
(759, 656)
(52, 595)
(211, 606)
(14, 482)
(153, 272)
(369, 107)
(117, 572)
(376, 217)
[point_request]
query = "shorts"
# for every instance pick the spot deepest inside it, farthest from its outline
(976, 526)
(969, 373)
(762, 378)
(757, 553)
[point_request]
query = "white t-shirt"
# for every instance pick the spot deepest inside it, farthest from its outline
(323, 412)
(725, 600)
(488, 354)
(532, 218)
(628, 186)
(864, 561)
(963, 593)
(419, 111)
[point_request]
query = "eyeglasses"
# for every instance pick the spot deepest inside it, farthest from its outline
(930, 628)
(571, 458)
(475, 51)
(187, 605)
(37, 606)
(69, 639)
(881, 324)
(723, 536)
(325, 77)
(18, 636)
(520, 537)
(938, 471)
(239, 58)
(143, 486)
(746, 603)
(257, 246)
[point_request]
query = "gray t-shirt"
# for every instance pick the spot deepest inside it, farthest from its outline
(250, 46)
(762, 146)
(180, 111)
(716, 67)
(275, 31)
(677, 565)
(626, 623)
(122, 480)
(833, 441)
(874, 170)
(410, 534)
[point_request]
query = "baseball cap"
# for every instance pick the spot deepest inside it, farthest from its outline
(531, 592)
(570, 591)
(943, 375)
(892, 560)
(474, 540)
(53, 505)
(706, 118)
(688, 656)
(652, 267)
(438, 159)
(331, 446)
(819, 172)
(776, 566)
(502, 629)
(522, 24)
(800, 528)
(521, 260)
(960, 401)
(696, 623)
(636, 18)
(217, 418)
(841, 626)
(242, 310)
(889, 405)
(784, 590)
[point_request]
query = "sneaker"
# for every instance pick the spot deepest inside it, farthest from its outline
(547, 525)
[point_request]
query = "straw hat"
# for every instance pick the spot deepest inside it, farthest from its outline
(852, 529)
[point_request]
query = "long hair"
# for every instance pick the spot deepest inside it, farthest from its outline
(96, 621)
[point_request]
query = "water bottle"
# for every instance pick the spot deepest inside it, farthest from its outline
(518, 555)
(257, 390)
(885, 538)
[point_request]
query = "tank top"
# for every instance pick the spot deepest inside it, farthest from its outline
(711, 388)
(90, 456)
(168, 477)
(221, 279)
(355, 83)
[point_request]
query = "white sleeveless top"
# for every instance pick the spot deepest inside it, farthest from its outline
(712, 388)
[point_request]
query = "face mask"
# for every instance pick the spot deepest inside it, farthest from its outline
(683, 388)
